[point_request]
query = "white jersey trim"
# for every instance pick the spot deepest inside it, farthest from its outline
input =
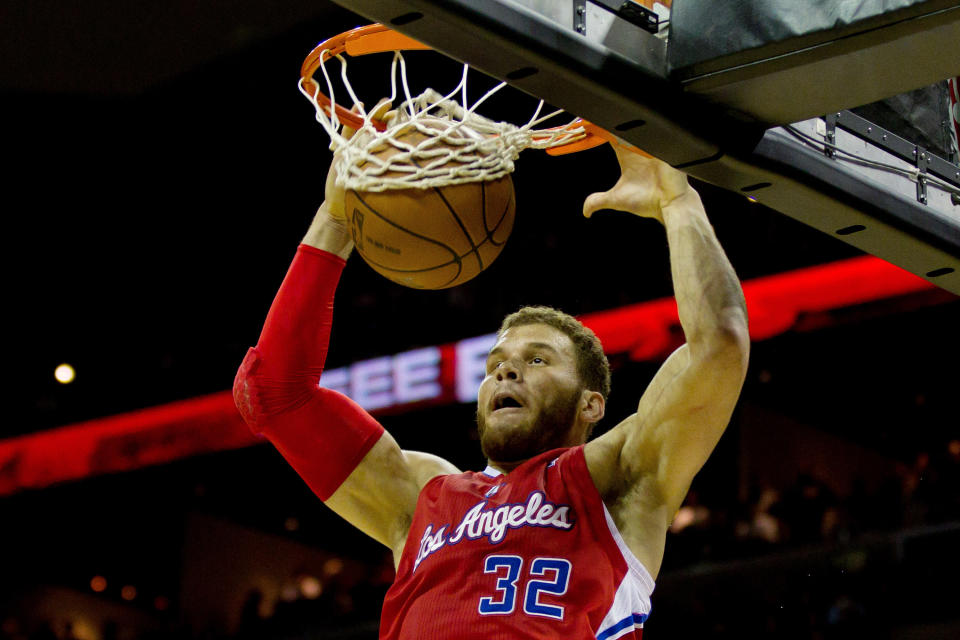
(622, 627)
(490, 471)
(631, 602)
(636, 567)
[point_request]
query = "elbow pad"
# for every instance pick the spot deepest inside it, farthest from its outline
(323, 434)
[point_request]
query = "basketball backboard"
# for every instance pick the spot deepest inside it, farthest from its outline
(696, 85)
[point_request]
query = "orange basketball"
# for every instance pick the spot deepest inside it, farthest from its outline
(431, 238)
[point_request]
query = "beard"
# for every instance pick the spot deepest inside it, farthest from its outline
(547, 430)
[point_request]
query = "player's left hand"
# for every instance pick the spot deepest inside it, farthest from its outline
(645, 187)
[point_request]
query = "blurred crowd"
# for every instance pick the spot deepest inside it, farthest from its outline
(350, 609)
(923, 491)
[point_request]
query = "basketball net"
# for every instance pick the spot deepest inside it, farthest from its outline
(458, 146)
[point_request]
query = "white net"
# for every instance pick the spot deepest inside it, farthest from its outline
(456, 144)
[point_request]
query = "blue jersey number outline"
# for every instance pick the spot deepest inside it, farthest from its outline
(557, 586)
(555, 570)
(506, 584)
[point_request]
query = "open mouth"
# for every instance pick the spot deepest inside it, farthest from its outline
(506, 401)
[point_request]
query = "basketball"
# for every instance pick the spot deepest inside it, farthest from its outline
(431, 238)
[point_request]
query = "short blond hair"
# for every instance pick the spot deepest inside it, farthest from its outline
(592, 364)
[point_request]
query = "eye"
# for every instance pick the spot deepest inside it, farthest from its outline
(537, 360)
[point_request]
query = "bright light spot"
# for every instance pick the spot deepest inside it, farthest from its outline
(752, 198)
(332, 567)
(310, 587)
(129, 592)
(161, 603)
(64, 374)
(689, 516)
(685, 518)
(98, 584)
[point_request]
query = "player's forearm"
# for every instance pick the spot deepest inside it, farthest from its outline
(330, 234)
(323, 434)
(293, 345)
(709, 297)
(292, 348)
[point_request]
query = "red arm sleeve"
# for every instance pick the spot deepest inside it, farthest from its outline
(322, 433)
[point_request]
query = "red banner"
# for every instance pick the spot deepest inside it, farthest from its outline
(434, 375)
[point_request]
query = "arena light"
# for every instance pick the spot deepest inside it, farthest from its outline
(444, 374)
(64, 373)
(310, 587)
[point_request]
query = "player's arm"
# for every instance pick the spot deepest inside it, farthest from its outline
(687, 405)
(341, 452)
(380, 494)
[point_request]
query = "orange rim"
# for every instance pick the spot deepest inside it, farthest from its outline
(376, 38)
(595, 136)
(373, 38)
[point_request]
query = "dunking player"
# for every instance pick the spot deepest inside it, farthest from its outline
(556, 538)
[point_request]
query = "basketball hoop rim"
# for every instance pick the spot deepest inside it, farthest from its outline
(377, 38)
(372, 38)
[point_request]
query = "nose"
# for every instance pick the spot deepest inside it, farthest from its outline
(508, 371)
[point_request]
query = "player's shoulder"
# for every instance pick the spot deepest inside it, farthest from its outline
(426, 466)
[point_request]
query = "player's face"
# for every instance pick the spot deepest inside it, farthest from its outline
(529, 399)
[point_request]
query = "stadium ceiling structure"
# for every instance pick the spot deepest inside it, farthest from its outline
(759, 114)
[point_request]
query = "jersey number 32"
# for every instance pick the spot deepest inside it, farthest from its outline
(548, 576)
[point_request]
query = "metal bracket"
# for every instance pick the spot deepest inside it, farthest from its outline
(927, 163)
(634, 13)
(903, 149)
(923, 158)
(831, 133)
(580, 16)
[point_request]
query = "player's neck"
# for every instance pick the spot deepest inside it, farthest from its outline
(504, 467)
(574, 437)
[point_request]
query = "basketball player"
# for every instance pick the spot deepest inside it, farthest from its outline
(558, 537)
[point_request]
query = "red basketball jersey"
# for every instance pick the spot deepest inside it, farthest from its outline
(530, 554)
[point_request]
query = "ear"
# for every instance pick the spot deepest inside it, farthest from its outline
(592, 406)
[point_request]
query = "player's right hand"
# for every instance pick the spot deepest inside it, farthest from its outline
(334, 194)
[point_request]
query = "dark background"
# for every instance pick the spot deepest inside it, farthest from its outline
(156, 189)
(161, 167)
